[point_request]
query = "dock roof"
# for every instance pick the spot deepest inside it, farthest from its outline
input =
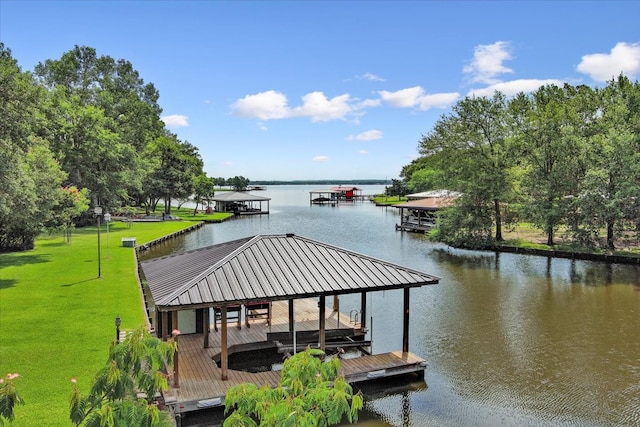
(269, 268)
(237, 196)
(427, 204)
(434, 193)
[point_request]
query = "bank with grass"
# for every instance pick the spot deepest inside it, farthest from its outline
(57, 316)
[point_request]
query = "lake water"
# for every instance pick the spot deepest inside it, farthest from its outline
(511, 340)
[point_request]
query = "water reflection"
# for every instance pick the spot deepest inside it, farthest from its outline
(510, 339)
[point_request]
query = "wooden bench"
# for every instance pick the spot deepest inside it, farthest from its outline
(257, 310)
(335, 339)
(305, 337)
(233, 313)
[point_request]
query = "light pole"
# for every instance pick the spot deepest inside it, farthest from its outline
(118, 322)
(98, 212)
(107, 220)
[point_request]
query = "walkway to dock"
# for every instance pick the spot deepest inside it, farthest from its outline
(200, 385)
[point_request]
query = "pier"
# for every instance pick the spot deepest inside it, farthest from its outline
(201, 386)
(290, 277)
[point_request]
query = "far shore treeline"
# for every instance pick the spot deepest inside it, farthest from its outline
(85, 131)
(335, 182)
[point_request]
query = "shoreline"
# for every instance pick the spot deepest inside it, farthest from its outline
(552, 253)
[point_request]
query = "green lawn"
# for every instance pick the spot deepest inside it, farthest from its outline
(57, 316)
(382, 200)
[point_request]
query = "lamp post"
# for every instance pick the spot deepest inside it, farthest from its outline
(118, 322)
(107, 220)
(98, 212)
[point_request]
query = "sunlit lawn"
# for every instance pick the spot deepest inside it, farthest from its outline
(388, 200)
(57, 316)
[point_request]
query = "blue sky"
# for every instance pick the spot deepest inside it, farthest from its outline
(275, 90)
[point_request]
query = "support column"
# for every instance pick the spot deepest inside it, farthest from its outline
(363, 310)
(224, 355)
(164, 326)
(405, 322)
(206, 326)
(321, 327)
(290, 316)
(176, 369)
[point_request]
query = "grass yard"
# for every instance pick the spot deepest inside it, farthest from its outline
(382, 200)
(57, 317)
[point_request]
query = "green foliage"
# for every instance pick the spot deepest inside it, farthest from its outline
(471, 151)
(311, 392)
(563, 158)
(9, 398)
(174, 168)
(467, 225)
(30, 176)
(397, 188)
(138, 365)
(203, 189)
(238, 183)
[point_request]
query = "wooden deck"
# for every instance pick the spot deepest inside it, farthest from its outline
(200, 385)
(414, 226)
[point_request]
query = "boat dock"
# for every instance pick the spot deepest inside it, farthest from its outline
(200, 385)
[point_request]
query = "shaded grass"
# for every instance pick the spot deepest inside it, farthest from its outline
(57, 316)
(187, 214)
(526, 236)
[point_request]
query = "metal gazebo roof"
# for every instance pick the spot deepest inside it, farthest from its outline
(269, 267)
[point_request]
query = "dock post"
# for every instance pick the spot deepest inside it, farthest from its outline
(206, 327)
(321, 327)
(405, 322)
(224, 362)
(363, 310)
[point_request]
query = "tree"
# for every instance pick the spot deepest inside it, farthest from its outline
(310, 393)
(612, 181)
(397, 188)
(138, 365)
(239, 183)
(101, 116)
(175, 164)
(473, 143)
(552, 144)
(73, 202)
(204, 189)
(30, 177)
(9, 398)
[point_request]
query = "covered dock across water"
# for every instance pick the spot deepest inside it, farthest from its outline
(274, 289)
(241, 203)
(419, 215)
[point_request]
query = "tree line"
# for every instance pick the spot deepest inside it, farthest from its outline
(565, 159)
(85, 131)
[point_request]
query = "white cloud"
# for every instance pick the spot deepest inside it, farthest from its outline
(417, 97)
(369, 135)
(438, 100)
(227, 163)
(371, 77)
(514, 87)
(367, 103)
(624, 58)
(320, 159)
(264, 106)
(487, 62)
(176, 121)
(320, 109)
(273, 105)
(363, 152)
